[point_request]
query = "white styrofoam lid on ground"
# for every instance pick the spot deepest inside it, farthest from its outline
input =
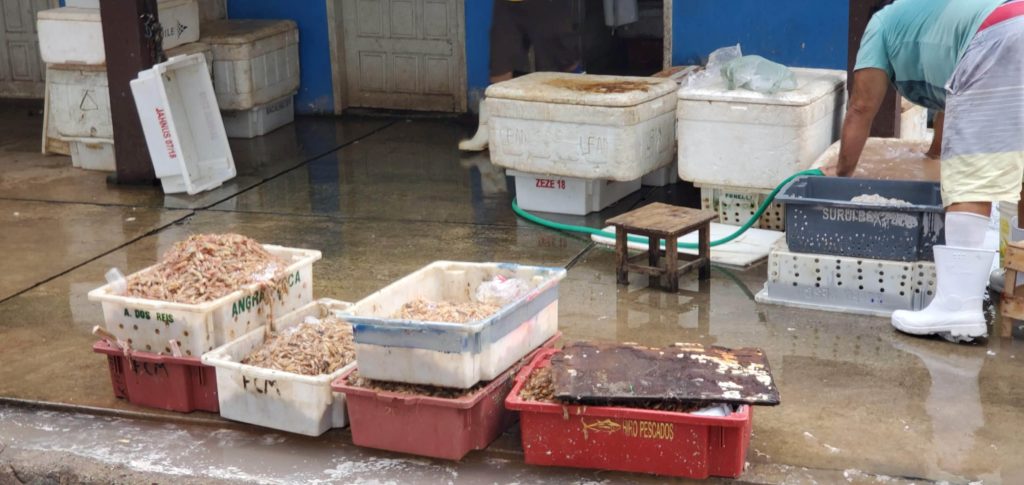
(242, 31)
(582, 89)
(812, 84)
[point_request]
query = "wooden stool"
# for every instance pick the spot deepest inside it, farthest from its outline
(662, 221)
(1012, 306)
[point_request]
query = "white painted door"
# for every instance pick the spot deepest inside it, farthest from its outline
(405, 54)
(22, 72)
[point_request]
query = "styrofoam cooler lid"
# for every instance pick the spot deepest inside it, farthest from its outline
(243, 31)
(83, 14)
(186, 49)
(812, 85)
(76, 14)
(582, 89)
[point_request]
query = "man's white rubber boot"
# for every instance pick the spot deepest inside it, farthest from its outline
(956, 311)
(479, 141)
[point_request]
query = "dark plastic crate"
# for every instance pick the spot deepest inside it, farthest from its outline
(821, 218)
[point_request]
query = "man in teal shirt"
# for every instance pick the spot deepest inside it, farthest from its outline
(964, 58)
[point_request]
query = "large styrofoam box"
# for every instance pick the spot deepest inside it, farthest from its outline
(914, 122)
(74, 35)
(454, 355)
(254, 61)
(261, 119)
(273, 398)
(183, 127)
(568, 195)
(149, 324)
(742, 138)
(584, 126)
(208, 9)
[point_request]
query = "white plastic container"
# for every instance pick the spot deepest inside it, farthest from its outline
(74, 35)
(277, 399)
(149, 324)
(183, 127)
(454, 355)
(584, 126)
(736, 205)
(844, 284)
(254, 61)
(667, 175)
(92, 154)
(260, 120)
(914, 122)
(568, 195)
(742, 138)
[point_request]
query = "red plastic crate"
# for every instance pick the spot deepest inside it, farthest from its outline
(631, 440)
(430, 426)
(180, 384)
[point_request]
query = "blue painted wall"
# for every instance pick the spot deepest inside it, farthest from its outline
(802, 33)
(478, 44)
(316, 93)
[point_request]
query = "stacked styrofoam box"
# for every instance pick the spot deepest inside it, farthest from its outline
(741, 138)
(77, 120)
(607, 130)
(256, 73)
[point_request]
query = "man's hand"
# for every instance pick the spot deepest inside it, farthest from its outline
(869, 89)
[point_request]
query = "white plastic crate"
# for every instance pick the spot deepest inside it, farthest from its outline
(736, 205)
(741, 138)
(454, 355)
(667, 175)
(585, 126)
(183, 127)
(74, 35)
(260, 120)
(567, 195)
(149, 324)
(848, 285)
(254, 61)
(277, 399)
(92, 154)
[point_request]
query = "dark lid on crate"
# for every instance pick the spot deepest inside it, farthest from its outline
(611, 373)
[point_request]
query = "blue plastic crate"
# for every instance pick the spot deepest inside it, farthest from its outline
(822, 219)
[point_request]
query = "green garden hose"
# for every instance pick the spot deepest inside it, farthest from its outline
(643, 240)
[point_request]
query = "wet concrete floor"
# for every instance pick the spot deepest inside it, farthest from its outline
(381, 197)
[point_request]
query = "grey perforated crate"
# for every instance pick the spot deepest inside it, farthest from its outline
(821, 218)
(846, 284)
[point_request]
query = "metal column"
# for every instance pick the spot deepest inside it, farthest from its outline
(887, 121)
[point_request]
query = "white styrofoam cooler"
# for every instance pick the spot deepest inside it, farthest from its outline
(198, 328)
(454, 355)
(261, 119)
(742, 138)
(584, 126)
(183, 126)
(913, 122)
(568, 195)
(74, 35)
(845, 284)
(254, 61)
(277, 399)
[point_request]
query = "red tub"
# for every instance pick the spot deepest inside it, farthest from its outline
(431, 426)
(631, 440)
(180, 384)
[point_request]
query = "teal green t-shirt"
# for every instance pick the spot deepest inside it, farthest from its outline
(918, 43)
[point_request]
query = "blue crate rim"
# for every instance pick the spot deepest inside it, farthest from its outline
(783, 198)
(552, 278)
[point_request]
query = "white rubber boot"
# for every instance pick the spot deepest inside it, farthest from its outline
(956, 311)
(479, 141)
